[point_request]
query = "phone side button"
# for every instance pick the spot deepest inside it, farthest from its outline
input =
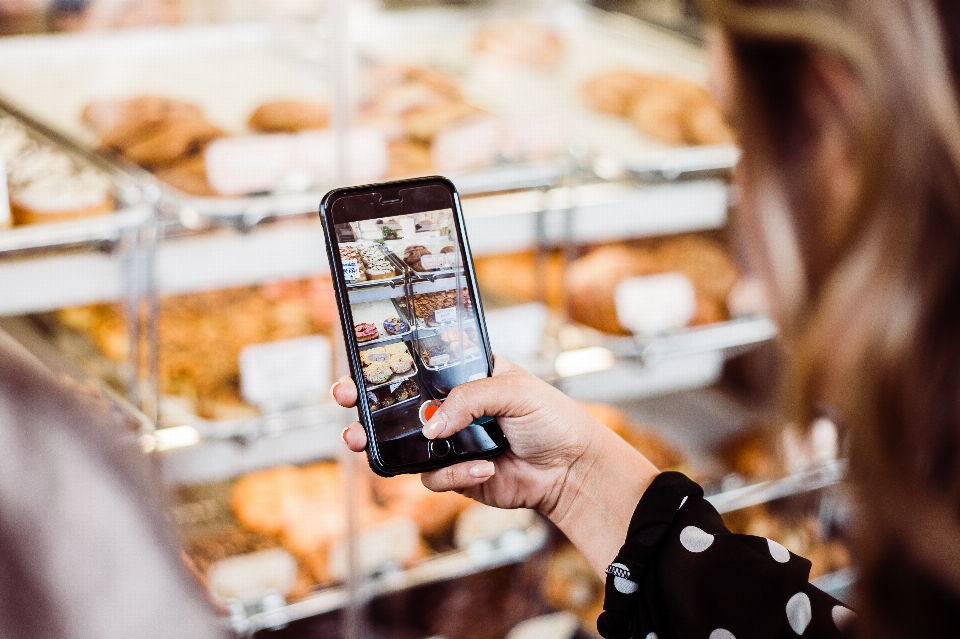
(439, 447)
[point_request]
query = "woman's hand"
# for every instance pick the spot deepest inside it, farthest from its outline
(561, 462)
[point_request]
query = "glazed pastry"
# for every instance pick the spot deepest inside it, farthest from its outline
(366, 331)
(447, 249)
(377, 265)
(47, 185)
(401, 363)
(377, 354)
(290, 116)
(395, 326)
(377, 372)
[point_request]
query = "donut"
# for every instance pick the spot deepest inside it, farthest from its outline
(365, 331)
(395, 326)
(401, 363)
(378, 372)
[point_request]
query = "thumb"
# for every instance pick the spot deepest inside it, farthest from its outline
(493, 396)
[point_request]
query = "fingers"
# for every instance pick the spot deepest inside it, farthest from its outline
(344, 391)
(507, 394)
(354, 437)
(459, 476)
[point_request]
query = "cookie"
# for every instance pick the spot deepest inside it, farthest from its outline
(377, 372)
(395, 326)
(290, 116)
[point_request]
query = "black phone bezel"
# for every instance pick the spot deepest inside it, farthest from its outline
(388, 193)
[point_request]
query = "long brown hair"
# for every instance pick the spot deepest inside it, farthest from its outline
(867, 290)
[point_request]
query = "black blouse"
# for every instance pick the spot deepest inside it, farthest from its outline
(683, 575)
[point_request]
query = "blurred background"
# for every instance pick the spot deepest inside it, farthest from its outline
(163, 163)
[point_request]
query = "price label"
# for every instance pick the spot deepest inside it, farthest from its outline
(434, 262)
(351, 270)
(285, 373)
(394, 386)
(445, 315)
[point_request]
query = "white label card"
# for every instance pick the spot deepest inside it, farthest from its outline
(394, 386)
(351, 270)
(434, 262)
(285, 373)
(445, 315)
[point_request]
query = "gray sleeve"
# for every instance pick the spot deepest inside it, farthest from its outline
(85, 549)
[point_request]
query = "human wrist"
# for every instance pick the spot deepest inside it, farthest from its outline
(600, 492)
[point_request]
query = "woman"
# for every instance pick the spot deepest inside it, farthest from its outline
(849, 122)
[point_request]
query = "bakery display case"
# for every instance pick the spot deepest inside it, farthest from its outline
(593, 170)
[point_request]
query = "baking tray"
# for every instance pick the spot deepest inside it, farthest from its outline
(375, 312)
(229, 69)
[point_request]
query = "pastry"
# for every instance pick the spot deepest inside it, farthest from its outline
(592, 280)
(412, 255)
(377, 372)
(407, 390)
(401, 363)
(47, 185)
(377, 265)
(366, 331)
(407, 158)
(395, 326)
(670, 109)
(189, 174)
(172, 140)
(658, 450)
(397, 347)
(376, 354)
(612, 92)
(447, 249)
(434, 355)
(290, 116)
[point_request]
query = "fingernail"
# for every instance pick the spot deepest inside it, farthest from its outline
(343, 433)
(333, 389)
(434, 425)
(483, 469)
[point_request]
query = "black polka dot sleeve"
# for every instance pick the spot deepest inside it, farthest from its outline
(686, 576)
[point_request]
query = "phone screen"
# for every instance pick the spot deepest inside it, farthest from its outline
(412, 308)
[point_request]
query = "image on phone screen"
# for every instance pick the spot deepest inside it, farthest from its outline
(412, 310)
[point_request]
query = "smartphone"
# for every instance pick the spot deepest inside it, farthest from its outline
(412, 318)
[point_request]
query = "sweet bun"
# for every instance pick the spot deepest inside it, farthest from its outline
(290, 116)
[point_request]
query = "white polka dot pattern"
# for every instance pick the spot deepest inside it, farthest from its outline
(721, 633)
(842, 617)
(799, 613)
(778, 552)
(682, 502)
(652, 635)
(695, 540)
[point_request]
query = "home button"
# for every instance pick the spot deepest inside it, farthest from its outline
(439, 447)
